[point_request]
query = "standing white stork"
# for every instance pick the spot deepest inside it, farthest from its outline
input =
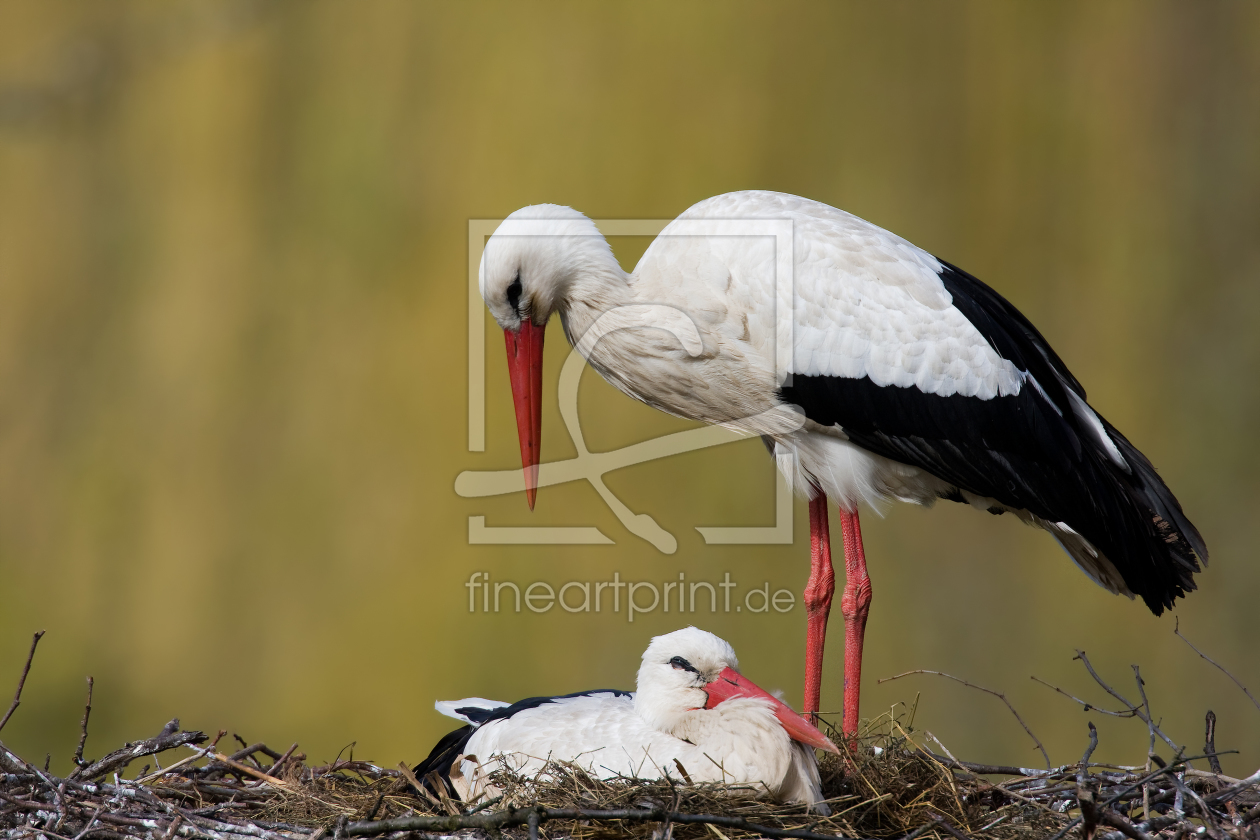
(693, 715)
(916, 381)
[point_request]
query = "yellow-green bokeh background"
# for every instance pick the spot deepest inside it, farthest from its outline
(233, 250)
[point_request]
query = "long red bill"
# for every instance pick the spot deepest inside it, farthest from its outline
(525, 358)
(731, 683)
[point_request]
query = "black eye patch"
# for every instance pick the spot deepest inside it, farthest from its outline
(514, 295)
(683, 665)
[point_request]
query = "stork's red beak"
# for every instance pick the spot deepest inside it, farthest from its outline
(525, 354)
(730, 684)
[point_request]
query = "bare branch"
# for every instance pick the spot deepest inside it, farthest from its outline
(1125, 827)
(1211, 661)
(1089, 707)
(996, 694)
(1177, 764)
(1150, 727)
(169, 738)
(17, 696)
(245, 768)
(1089, 751)
(1085, 799)
(1209, 741)
(279, 762)
(87, 710)
(1136, 710)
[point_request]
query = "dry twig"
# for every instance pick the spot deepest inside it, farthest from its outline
(1130, 709)
(1209, 741)
(996, 694)
(168, 739)
(1213, 662)
(26, 669)
(87, 710)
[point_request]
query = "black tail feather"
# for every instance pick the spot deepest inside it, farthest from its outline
(441, 758)
(1173, 548)
(1132, 517)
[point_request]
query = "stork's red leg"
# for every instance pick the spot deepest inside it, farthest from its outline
(854, 605)
(818, 592)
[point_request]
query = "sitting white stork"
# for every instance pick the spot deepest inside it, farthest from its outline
(693, 716)
(916, 382)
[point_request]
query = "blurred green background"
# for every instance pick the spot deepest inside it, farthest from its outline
(233, 331)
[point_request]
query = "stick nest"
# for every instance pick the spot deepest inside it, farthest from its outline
(886, 784)
(885, 787)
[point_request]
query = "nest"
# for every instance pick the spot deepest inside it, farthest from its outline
(886, 784)
(884, 787)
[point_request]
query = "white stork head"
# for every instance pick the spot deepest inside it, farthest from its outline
(686, 675)
(532, 266)
(534, 258)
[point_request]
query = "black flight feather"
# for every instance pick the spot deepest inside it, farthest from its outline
(1028, 450)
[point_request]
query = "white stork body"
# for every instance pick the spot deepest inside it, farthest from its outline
(916, 382)
(867, 304)
(692, 710)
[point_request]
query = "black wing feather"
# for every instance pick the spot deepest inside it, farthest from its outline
(1028, 450)
(442, 757)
